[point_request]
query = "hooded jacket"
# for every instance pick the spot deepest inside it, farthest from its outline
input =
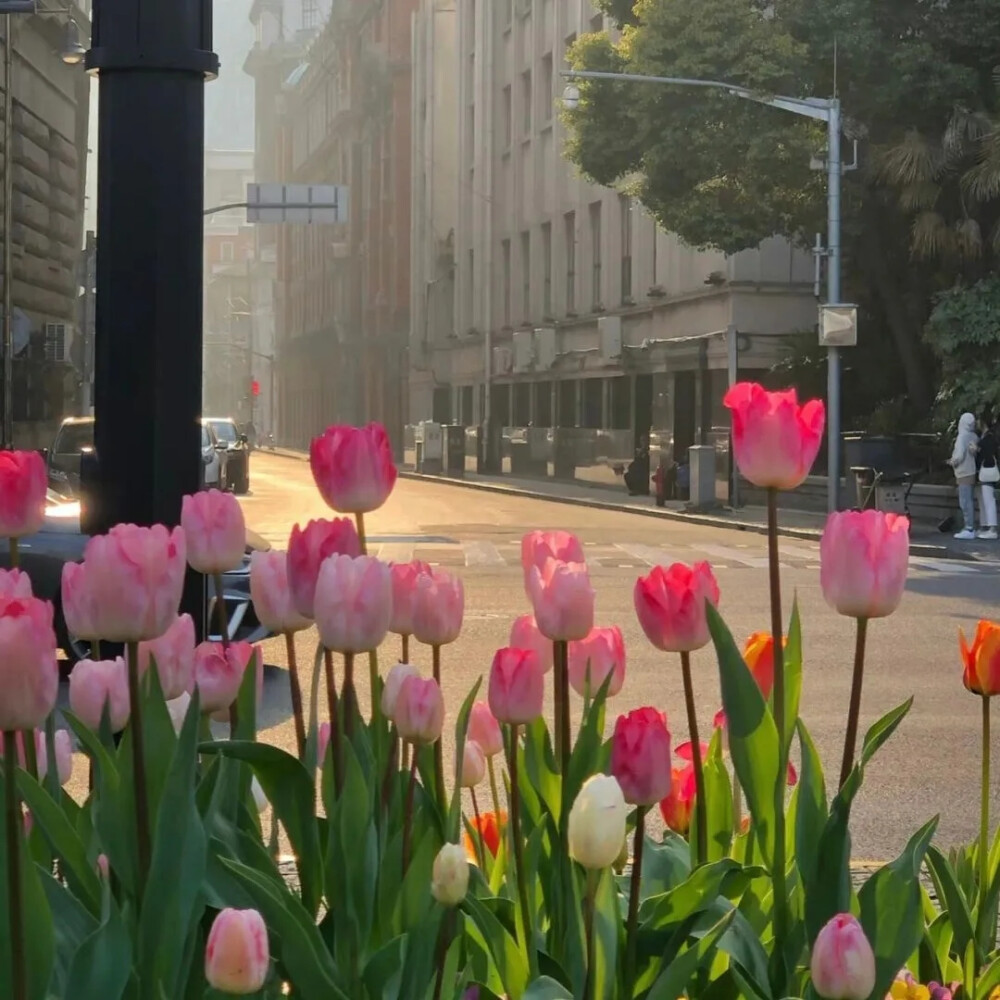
(963, 457)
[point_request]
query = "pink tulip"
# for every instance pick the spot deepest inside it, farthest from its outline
(353, 603)
(390, 689)
(29, 676)
(271, 593)
(353, 467)
(96, 683)
(24, 484)
(863, 562)
(420, 711)
(538, 547)
(404, 595)
(563, 600)
(640, 756)
(218, 676)
(843, 963)
(308, 548)
(178, 709)
(173, 654)
(128, 587)
(775, 440)
(322, 742)
(438, 608)
(473, 764)
(237, 958)
(524, 634)
(64, 755)
(670, 605)
(602, 653)
(485, 730)
(14, 584)
(215, 530)
(517, 686)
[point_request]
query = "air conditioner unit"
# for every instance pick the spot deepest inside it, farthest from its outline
(524, 350)
(545, 347)
(55, 342)
(610, 330)
(503, 361)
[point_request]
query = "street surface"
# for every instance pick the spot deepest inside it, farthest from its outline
(930, 766)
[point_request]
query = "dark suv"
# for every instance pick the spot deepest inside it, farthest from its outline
(237, 452)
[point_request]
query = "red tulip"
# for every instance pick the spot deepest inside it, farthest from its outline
(94, 684)
(524, 634)
(420, 711)
(774, 439)
(29, 676)
(173, 653)
(404, 594)
(676, 807)
(601, 653)
(237, 956)
(538, 547)
(640, 756)
(563, 600)
(439, 604)
(490, 827)
(218, 674)
(128, 587)
(864, 557)
(485, 730)
(353, 603)
(308, 548)
(215, 531)
(517, 686)
(353, 467)
(843, 963)
(982, 660)
(272, 595)
(670, 604)
(23, 487)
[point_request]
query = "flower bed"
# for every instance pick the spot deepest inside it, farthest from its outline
(522, 867)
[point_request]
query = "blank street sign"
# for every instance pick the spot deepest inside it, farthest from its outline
(297, 203)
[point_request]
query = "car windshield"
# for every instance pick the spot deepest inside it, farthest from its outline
(74, 438)
(225, 431)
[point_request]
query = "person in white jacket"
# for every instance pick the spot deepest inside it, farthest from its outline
(963, 461)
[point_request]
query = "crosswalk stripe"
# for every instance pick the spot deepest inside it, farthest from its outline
(729, 554)
(648, 554)
(798, 551)
(482, 554)
(944, 565)
(395, 552)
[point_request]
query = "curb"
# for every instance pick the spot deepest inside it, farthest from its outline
(708, 520)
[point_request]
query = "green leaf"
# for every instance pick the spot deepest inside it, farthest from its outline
(952, 897)
(719, 803)
(793, 674)
(510, 960)
(312, 736)
(71, 923)
(102, 964)
(811, 812)
(989, 980)
(607, 938)
(538, 764)
(246, 702)
(383, 973)
(890, 908)
(698, 892)
(753, 737)
(674, 979)
(881, 730)
(591, 752)
(461, 729)
(291, 792)
(748, 959)
(545, 988)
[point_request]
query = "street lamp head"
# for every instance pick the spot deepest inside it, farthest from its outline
(73, 51)
(571, 97)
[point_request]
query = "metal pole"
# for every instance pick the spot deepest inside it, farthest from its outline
(834, 173)
(8, 227)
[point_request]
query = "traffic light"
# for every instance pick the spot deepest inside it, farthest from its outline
(255, 388)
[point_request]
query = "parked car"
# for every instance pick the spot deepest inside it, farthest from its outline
(237, 451)
(215, 461)
(43, 555)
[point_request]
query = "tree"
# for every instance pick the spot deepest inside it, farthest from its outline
(727, 173)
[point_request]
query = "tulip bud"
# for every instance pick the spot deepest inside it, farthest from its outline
(593, 658)
(29, 676)
(237, 956)
(353, 467)
(670, 605)
(982, 660)
(597, 822)
(450, 876)
(94, 684)
(102, 866)
(353, 603)
(271, 593)
(640, 756)
(215, 531)
(393, 682)
(308, 548)
(485, 730)
(259, 798)
(173, 654)
(404, 595)
(23, 485)
(420, 711)
(473, 765)
(517, 686)
(843, 963)
(524, 634)
(758, 654)
(538, 547)
(439, 604)
(563, 599)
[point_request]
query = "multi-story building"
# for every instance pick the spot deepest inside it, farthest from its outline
(570, 307)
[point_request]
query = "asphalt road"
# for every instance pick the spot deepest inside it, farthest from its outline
(930, 766)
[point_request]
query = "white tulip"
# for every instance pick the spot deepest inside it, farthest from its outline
(393, 682)
(450, 877)
(597, 822)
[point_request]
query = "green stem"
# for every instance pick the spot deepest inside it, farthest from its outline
(984, 806)
(700, 805)
(296, 691)
(12, 814)
(331, 694)
(737, 804)
(633, 900)
(444, 940)
(359, 520)
(52, 769)
(557, 700)
(349, 696)
(438, 748)
(408, 812)
(778, 874)
(15, 553)
(138, 765)
(30, 753)
(405, 642)
(854, 711)
(493, 790)
(478, 844)
(589, 903)
(561, 664)
(515, 829)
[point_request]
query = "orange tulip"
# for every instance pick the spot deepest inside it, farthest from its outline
(759, 656)
(489, 829)
(677, 806)
(982, 659)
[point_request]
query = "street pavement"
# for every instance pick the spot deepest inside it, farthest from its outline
(930, 766)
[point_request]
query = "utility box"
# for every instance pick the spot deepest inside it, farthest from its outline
(430, 447)
(701, 459)
(454, 450)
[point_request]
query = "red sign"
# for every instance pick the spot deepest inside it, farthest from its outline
(255, 387)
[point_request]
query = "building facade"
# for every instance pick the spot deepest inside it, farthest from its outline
(568, 306)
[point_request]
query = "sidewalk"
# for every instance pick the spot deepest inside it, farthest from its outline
(925, 539)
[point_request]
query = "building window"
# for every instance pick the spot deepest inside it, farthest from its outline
(569, 221)
(545, 91)
(547, 270)
(625, 205)
(595, 250)
(226, 251)
(310, 14)
(526, 101)
(507, 117)
(505, 257)
(526, 274)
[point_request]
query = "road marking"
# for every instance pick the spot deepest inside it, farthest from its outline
(799, 552)
(396, 552)
(725, 552)
(945, 565)
(648, 554)
(482, 554)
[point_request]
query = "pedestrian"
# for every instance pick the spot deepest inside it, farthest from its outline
(963, 462)
(989, 476)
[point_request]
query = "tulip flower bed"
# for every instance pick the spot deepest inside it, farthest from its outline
(503, 872)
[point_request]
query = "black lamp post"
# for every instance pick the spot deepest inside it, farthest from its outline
(153, 58)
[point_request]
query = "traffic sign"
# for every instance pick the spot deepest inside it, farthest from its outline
(297, 203)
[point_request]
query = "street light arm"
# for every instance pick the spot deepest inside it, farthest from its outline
(809, 107)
